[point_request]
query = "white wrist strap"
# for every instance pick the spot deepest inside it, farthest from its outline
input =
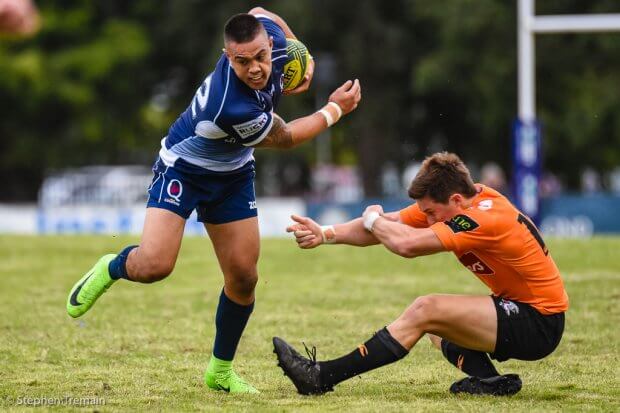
(370, 219)
(328, 117)
(329, 234)
(338, 108)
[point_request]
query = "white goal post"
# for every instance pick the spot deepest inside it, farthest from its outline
(526, 131)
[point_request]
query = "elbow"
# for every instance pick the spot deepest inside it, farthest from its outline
(405, 251)
(289, 145)
(409, 254)
(290, 141)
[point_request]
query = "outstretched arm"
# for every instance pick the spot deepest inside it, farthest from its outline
(309, 234)
(288, 135)
(374, 227)
(399, 238)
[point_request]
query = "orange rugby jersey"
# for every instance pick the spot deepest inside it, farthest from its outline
(502, 248)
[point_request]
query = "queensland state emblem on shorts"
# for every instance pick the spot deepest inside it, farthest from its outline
(174, 190)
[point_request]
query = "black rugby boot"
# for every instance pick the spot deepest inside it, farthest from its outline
(504, 385)
(304, 373)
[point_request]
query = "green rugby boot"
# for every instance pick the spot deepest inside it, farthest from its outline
(220, 376)
(86, 291)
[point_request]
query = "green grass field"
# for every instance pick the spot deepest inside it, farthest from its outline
(146, 346)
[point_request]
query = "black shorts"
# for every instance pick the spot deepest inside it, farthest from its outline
(523, 333)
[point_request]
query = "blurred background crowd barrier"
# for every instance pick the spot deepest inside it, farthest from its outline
(110, 200)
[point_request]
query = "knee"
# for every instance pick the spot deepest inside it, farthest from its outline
(435, 340)
(243, 279)
(158, 272)
(150, 269)
(422, 312)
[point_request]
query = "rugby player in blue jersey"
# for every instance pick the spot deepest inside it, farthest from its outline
(206, 164)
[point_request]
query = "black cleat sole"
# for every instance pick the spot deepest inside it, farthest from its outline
(504, 385)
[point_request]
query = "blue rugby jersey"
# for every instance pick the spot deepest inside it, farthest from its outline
(226, 117)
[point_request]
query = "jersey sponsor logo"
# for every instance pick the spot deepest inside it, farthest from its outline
(485, 204)
(509, 307)
(174, 190)
(251, 127)
(475, 264)
(461, 223)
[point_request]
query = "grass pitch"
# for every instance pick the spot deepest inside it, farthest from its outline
(146, 346)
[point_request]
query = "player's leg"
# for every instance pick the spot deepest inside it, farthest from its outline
(151, 261)
(468, 326)
(155, 257)
(171, 200)
(471, 362)
(469, 321)
(236, 246)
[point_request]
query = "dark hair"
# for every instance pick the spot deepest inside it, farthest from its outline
(242, 28)
(440, 176)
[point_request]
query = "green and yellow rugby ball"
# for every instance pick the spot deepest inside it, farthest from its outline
(296, 65)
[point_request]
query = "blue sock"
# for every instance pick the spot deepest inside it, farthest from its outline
(117, 268)
(230, 321)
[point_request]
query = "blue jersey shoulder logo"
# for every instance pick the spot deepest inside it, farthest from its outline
(251, 127)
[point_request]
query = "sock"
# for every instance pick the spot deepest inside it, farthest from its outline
(380, 350)
(230, 321)
(472, 362)
(117, 268)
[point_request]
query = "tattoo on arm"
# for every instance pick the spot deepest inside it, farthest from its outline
(279, 136)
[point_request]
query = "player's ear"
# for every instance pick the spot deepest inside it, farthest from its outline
(227, 53)
(456, 199)
(271, 42)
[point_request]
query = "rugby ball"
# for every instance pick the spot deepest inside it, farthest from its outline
(296, 64)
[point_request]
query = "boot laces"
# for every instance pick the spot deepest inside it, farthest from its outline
(310, 352)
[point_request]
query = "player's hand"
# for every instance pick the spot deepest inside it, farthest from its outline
(305, 84)
(373, 208)
(307, 232)
(347, 96)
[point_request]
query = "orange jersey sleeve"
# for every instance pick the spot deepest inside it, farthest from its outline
(413, 217)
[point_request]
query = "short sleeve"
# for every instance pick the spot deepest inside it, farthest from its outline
(413, 217)
(465, 232)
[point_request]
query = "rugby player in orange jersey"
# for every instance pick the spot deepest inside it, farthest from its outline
(522, 319)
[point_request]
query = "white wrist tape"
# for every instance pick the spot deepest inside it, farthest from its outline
(370, 219)
(338, 109)
(328, 117)
(329, 234)
(332, 113)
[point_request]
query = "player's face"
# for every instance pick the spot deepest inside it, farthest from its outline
(440, 212)
(251, 61)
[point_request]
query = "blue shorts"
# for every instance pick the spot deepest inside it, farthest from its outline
(217, 198)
